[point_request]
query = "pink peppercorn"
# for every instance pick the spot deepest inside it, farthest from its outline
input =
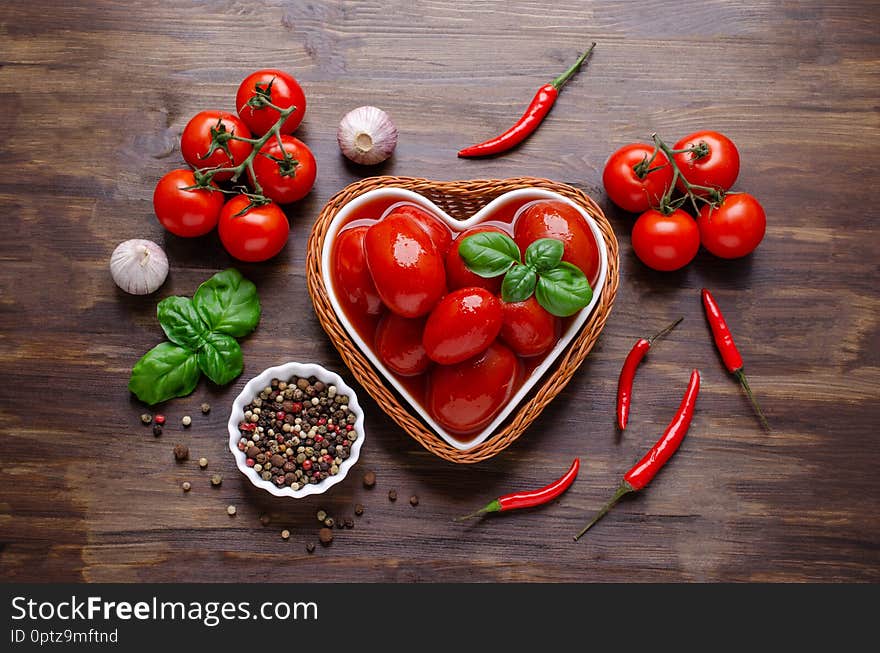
(296, 408)
(242, 446)
(279, 439)
(279, 414)
(307, 465)
(319, 438)
(159, 419)
(349, 427)
(345, 443)
(327, 458)
(322, 421)
(249, 462)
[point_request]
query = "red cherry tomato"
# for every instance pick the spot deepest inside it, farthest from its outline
(735, 228)
(665, 242)
(457, 273)
(282, 182)
(284, 92)
(351, 277)
(528, 329)
(440, 234)
(195, 142)
(718, 168)
(255, 236)
(186, 213)
(466, 396)
(462, 324)
(555, 219)
(624, 186)
(405, 265)
(399, 344)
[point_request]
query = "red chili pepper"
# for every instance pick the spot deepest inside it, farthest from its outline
(628, 372)
(646, 469)
(538, 109)
(531, 498)
(729, 353)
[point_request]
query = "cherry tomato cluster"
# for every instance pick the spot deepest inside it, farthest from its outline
(259, 164)
(658, 182)
(438, 325)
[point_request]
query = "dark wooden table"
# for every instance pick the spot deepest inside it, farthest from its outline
(94, 97)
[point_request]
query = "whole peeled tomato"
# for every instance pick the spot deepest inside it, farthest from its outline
(399, 344)
(195, 142)
(457, 273)
(555, 219)
(528, 329)
(351, 277)
(283, 180)
(462, 324)
(636, 190)
(405, 265)
(440, 234)
(665, 242)
(718, 167)
(466, 396)
(283, 90)
(186, 213)
(733, 229)
(257, 235)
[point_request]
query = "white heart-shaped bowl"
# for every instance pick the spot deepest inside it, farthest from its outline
(323, 293)
(284, 372)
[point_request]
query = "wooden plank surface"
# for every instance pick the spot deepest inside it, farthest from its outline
(94, 96)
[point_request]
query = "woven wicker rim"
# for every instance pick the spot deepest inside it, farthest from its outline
(459, 199)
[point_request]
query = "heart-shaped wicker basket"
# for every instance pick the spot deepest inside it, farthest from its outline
(459, 199)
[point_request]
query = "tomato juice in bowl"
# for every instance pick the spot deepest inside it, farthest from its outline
(363, 313)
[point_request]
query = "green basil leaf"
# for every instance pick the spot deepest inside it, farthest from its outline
(220, 359)
(545, 254)
(564, 290)
(181, 323)
(228, 303)
(164, 372)
(489, 254)
(518, 284)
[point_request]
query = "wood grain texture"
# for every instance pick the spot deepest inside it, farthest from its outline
(94, 96)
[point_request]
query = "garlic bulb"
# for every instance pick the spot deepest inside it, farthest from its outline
(138, 266)
(366, 135)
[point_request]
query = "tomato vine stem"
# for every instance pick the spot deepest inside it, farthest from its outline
(204, 176)
(667, 204)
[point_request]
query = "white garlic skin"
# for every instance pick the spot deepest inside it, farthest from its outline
(138, 266)
(366, 135)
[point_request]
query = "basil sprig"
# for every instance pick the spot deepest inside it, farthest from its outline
(202, 331)
(560, 287)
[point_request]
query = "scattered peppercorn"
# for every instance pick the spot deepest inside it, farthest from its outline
(216, 480)
(157, 429)
(292, 433)
(349, 522)
(310, 547)
(186, 486)
(369, 479)
(265, 519)
(326, 536)
(146, 418)
(414, 500)
(230, 510)
(160, 419)
(181, 452)
(186, 420)
(392, 495)
(206, 408)
(329, 522)
(359, 509)
(322, 515)
(203, 462)
(285, 534)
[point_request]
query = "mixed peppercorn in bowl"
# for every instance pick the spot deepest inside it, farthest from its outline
(296, 429)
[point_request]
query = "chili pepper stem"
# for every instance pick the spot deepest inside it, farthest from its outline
(492, 506)
(560, 81)
(665, 330)
(622, 490)
(741, 377)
